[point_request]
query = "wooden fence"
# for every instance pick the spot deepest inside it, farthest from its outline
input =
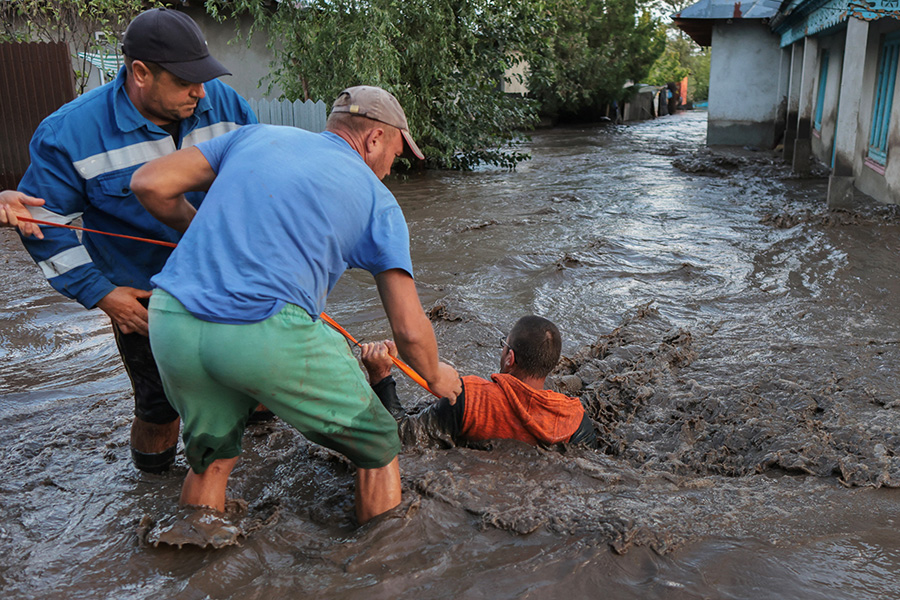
(307, 115)
(35, 80)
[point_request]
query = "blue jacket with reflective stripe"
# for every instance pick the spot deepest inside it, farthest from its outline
(82, 159)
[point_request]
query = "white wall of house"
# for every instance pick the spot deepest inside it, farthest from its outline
(744, 80)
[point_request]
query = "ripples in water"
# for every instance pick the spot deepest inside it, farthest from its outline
(734, 341)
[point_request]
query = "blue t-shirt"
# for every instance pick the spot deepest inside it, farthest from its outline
(288, 213)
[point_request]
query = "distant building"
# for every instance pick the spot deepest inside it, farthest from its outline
(818, 76)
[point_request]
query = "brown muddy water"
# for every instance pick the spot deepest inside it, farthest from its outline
(734, 341)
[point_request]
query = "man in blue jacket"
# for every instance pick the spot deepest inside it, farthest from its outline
(166, 97)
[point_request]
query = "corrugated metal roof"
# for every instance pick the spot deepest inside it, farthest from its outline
(730, 9)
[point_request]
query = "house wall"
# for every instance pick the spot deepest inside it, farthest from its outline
(743, 106)
(886, 187)
(784, 86)
(249, 65)
(823, 138)
(515, 79)
(643, 105)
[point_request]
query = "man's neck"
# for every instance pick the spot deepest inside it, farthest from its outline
(355, 141)
(534, 382)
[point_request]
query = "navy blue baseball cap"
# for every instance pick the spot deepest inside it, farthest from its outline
(172, 40)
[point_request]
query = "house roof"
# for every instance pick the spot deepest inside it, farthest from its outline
(697, 19)
(730, 9)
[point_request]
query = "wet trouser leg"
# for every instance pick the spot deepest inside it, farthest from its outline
(154, 432)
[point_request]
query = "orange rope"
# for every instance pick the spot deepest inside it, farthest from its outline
(400, 364)
(127, 237)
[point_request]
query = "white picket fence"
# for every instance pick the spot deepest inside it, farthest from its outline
(307, 115)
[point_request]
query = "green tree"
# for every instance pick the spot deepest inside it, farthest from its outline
(597, 47)
(443, 59)
(669, 67)
(682, 56)
(86, 25)
(698, 81)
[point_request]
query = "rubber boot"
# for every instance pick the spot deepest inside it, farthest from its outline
(153, 446)
(158, 462)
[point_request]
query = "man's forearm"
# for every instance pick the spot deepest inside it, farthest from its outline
(176, 212)
(160, 185)
(386, 390)
(439, 424)
(413, 333)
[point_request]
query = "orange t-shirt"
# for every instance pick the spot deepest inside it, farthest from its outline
(506, 408)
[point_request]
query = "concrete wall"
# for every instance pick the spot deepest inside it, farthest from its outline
(784, 86)
(823, 138)
(885, 188)
(248, 65)
(517, 76)
(744, 85)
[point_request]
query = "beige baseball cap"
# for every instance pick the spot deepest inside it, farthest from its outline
(380, 105)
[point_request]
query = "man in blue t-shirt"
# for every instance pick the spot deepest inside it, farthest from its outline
(167, 96)
(234, 318)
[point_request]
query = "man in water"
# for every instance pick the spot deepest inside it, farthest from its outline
(82, 158)
(512, 405)
(235, 316)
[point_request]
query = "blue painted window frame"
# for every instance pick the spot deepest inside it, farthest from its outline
(823, 82)
(884, 96)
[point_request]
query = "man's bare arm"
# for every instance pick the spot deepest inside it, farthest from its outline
(160, 186)
(413, 334)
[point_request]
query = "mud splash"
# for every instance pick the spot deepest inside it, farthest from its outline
(637, 385)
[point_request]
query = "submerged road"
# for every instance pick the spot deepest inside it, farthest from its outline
(735, 342)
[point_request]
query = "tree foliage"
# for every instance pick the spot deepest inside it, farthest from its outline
(443, 59)
(698, 84)
(597, 47)
(86, 25)
(669, 67)
(683, 58)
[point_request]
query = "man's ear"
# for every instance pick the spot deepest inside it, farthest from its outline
(374, 138)
(140, 73)
(510, 359)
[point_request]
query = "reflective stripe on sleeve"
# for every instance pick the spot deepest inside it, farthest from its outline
(42, 214)
(204, 134)
(121, 158)
(64, 262)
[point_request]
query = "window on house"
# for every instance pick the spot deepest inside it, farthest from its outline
(884, 95)
(823, 79)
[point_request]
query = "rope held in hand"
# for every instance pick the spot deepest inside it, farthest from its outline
(127, 237)
(400, 364)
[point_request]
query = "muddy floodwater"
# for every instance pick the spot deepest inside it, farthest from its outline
(736, 344)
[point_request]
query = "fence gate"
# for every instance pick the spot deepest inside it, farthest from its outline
(35, 80)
